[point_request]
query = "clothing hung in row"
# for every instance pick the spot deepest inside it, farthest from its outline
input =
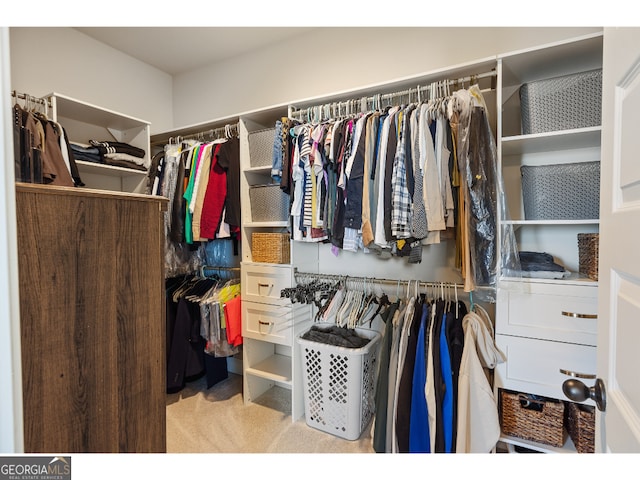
(118, 154)
(42, 153)
(202, 182)
(203, 328)
(433, 391)
(391, 181)
(433, 384)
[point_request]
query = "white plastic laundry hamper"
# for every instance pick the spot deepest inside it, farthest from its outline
(339, 385)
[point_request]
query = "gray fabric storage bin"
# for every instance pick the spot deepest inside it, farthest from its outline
(562, 103)
(261, 147)
(268, 203)
(569, 191)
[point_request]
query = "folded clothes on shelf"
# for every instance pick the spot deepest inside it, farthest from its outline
(540, 265)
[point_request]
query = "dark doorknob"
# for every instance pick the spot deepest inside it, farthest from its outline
(577, 391)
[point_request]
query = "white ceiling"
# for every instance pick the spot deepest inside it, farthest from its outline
(179, 49)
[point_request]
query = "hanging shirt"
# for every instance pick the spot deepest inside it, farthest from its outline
(478, 427)
(431, 183)
(188, 193)
(233, 317)
(447, 377)
(397, 322)
(405, 384)
(371, 132)
(442, 160)
(214, 199)
(297, 176)
(401, 205)
(419, 217)
(229, 161)
(405, 327)
(200, 189)
(419, 435)
(380, 237)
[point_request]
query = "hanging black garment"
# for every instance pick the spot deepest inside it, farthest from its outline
(178, 210)
(155, 172)
(31, 135)
(405, 388)
(482, 183)
(21, 171)
(392, 144)
(186, 358)
(438, 381)
(455, 340)
(379, 440)
(353, 210)
(337, 230)
(229, 160)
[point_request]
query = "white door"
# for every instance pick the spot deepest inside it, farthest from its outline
(618, 427)
(11, 435)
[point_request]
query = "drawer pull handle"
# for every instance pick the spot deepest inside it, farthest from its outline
(265, 323)
(580, 315)
(577, 375)
(265, 285)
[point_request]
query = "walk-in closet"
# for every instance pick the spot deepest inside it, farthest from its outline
(323, 244)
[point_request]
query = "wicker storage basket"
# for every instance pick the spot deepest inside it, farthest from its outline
(569, 191)
(261, 147)
(588, 254)
(562, 103)
(268, 203)
(580, 421)
(532, 419)
(270, 247)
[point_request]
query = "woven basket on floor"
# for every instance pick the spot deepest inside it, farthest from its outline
(536, 420)
(588, 254)
(270, 247)
(580, 421)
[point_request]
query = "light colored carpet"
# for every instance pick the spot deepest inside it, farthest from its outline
(215, 420)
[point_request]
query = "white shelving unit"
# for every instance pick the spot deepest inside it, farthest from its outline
(84, 121)
(536, 324)
(271, 325)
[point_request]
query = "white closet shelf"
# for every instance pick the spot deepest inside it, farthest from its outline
(568, 446)
(276, 368)
(518, 223)
(261, 170)
(551, 141)
(266, 224)
(573, 279)
(111, 170)
(78, 110)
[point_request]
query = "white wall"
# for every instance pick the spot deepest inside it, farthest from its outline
(64, 60)
(333, 59)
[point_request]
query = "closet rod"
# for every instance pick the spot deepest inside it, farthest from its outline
(367, 280)
(228, 131)
(364, 102)
(25, 96)
(220, 269)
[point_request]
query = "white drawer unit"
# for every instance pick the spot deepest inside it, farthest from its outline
(563, 313)
(541, 366)
(548, 333)
(263, 284)
(270, 323)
